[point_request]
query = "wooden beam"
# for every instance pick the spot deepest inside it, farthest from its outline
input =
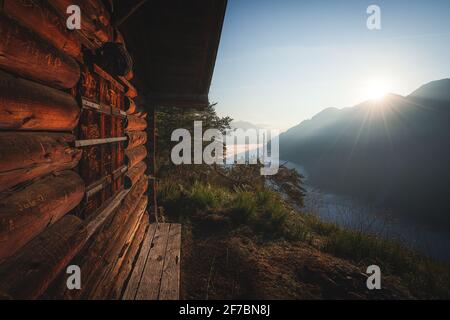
(29, 155)
(91, 142)
(26, 213)
(38, 17)
(27, 274)
(26, 105)
(130, 12)
(23, 52)
(135, 139)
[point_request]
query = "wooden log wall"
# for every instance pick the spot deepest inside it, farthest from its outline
(72, 154)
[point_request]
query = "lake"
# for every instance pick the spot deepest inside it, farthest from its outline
(352, 214)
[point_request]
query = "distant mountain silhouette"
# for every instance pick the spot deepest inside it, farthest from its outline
(394, 152)
(245, 125)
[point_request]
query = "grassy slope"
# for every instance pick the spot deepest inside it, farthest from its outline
(239, 243)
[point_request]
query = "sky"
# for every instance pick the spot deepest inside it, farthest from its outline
(282, 61)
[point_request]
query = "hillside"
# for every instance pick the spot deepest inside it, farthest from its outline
(242, 240)
(392, 152)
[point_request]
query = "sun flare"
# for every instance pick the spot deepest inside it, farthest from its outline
(376, 89)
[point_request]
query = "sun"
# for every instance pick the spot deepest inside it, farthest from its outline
(376, 89)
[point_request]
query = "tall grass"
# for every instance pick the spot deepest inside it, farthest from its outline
(269, 217)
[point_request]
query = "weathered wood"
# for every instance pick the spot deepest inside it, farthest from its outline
(135, 139)
(26, 213)
(129, 105)
(27, 274)
(92, 23)
(134, 156)
(156, 273)
(118, 250)
(27, 155)
(133, 123)
(37, 16)
(134, 174)
(94, 222)
(128, 262)
(135, 277)
(98, 257)
(24, 53)
(26, 105)
(131, 91)
(93, 257)
(151, 276)
(170, 279)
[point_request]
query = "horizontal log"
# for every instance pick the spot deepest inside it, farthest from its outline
(118, 250)
(132, 108)
(27, 212)
(91, 28)
(37, 16)
(26, 105)
(134, 156)
(27, 155)
(93, 258)
(133, 123)
(127, 264)
(130, 90)
(24, 53)
(135, 139)
(129, 105)
(129, 75)
(28, 273)
(134, 174)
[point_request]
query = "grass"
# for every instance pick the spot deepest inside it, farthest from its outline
(270, 218)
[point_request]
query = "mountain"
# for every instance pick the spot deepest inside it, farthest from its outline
(393, 152)
(245, 125)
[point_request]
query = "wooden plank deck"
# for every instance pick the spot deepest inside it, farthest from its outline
(156, 274)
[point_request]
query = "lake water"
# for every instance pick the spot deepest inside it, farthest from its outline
(350, 213)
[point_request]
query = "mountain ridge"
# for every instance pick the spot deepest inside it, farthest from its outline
(386, 152)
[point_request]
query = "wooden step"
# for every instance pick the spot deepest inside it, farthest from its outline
(156, 273)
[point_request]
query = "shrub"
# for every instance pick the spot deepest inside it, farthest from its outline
(243, 207)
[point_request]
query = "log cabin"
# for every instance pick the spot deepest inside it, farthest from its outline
(77, 141)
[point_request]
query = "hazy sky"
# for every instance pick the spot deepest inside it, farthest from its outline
(282, 61)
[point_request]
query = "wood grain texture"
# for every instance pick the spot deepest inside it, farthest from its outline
(26, 105)
(134, 174)
(118, 250)
(93, 258)
(135, 139)
(133, 123)
(37, 16)
(28, 155)
(130, 90)
(94, 23)
(130, 258)
(135, 278)
(151, 276)
(24, 53)
(134, 156)
(170, 279)
(27, 212)
(27, 274)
